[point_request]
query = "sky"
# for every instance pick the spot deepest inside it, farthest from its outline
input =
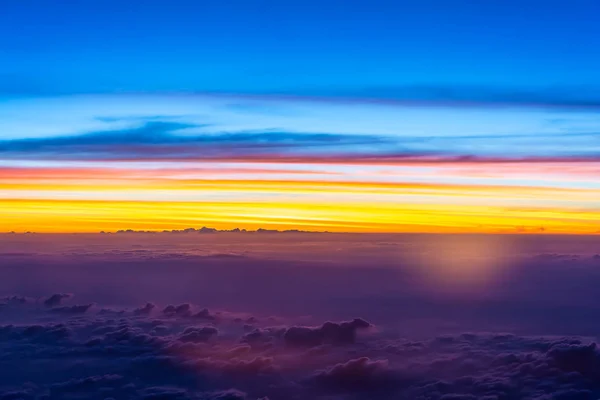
(475, 121)
(379, 116)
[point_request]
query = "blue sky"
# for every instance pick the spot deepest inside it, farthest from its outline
(515, 50)
(82, 125)
(449, 104)
(458, 78)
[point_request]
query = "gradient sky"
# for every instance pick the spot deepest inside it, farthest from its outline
(432, 116)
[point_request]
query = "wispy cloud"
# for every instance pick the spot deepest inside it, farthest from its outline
(284, 162)
(162, 139)
(561, 97)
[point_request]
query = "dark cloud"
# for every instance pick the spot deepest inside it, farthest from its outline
(196, 335)
(56, 299)
(116, 387)
(231, 394)
(13, 300)
(186, 311)
(145, 310)
(76, 309)
(357, 374)
(576, 357)
(247, 367)
(205, 314)
(182, 310)
(86, 386)
(328, 333)
(40, 334)
(262, 336)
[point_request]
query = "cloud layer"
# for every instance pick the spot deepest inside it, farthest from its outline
(122, 354)
(298, 316)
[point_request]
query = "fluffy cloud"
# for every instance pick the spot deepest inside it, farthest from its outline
(56, 299)
(12, 300)
(77, 309)
(195, 335)
(162, 140)
(357, 374)
(186, 311)
(135, 355)
(329, 332)
(145, 310)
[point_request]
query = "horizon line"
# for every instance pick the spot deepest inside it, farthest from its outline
(212, 231)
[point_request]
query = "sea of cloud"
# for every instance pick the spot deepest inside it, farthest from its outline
(236, 318)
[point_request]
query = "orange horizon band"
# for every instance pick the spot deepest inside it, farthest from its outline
(93, 216)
